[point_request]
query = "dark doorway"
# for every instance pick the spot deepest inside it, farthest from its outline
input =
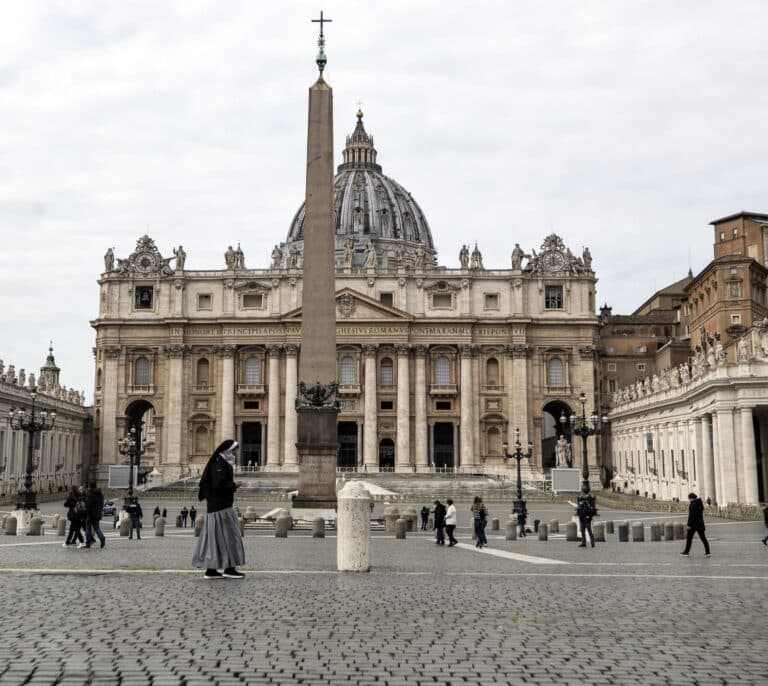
(346, 457)
(552, 428)
(250, 455)
(387, 455)
(136, 414)
(444, 449)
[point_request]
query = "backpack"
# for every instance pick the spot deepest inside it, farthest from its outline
(81, 509)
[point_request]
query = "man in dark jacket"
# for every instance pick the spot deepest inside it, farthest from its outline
(424, 517)
(94, 500)
(136, 514)
(695, 524)
(439, 513)
(585, 511)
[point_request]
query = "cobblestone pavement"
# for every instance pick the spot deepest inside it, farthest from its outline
(621, 613)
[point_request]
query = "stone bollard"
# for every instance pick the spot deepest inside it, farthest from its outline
(125, 526)
(410, 515)
(160, 527)
(543, 532)
(655, 532)
(623, 532)
(2, 522)
(61, 529)
(318, 527)
(55, 521)
(536, 523)
(638, 532)
(155, 517)
(669, 531)
(679, 531)
(494, 525)
(282, 525)
(571, 531)
(401, 526)
(9, 529)
(511, 530)
(599, 530)
(353, 528)
(35, 527)
(554, 526)
(179, 522)
(609, 526)
(250, 513)
(391, 515)
(199, 524)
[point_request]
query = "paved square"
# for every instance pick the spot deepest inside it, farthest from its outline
(621, 613)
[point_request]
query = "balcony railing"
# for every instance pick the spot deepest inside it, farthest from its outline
(250, 389)
(141, 390)
(448, 389)
(349, 389)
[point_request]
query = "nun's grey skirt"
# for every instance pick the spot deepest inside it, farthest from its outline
(220, 544)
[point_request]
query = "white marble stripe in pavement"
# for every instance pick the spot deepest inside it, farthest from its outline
(513, 556)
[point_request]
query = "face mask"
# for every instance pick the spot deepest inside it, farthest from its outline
(229, 457)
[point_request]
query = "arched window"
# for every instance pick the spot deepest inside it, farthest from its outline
(141, 372)
(348, 376)
(494, 441)
(492, 372)
(253, 371)
(98, 378)
(203, 372)
(555, 373)
(387, 373)
(201, 440)
(442, 371)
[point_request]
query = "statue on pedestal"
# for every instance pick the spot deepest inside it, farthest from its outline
(229, 257)
(181, 257)
(563, 456)
(277, 257)
(370, 255)
(464, 257)
(348, 253)
(517, 257)
(109, 260)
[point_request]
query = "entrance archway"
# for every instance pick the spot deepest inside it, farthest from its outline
(140, 416)
(443, 446)
(387, 455)
(551, 429)
(346, 456)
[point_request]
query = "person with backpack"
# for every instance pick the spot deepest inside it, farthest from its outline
(74, 516)
(94, 501)
(585, 511)
(480, 517)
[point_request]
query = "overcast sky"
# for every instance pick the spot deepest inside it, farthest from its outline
(625, 126)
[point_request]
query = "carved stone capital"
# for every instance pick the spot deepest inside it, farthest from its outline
(517, 350)
(274, 349)
(466, 351)
(178, 284)
(229, 284)
(225, 351)
(370, 349)
(176, 351)
(403, 349)
(291, 350)
(112, 352)
(588, 352)
(420, 351)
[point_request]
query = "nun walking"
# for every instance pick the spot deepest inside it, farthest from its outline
(220, 545)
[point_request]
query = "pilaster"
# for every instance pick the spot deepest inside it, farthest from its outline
(403, 451)
(420, 406)
(370, 441)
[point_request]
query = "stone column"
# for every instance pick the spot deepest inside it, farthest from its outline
(291, 379)
(353, 544)
(763, 429)
(698, 431)
(516, 382)
(467, 456)
(370, 446)
(272, 458)
(420, 402)
(174, 405)
(725, 462)
(227, 427)
(108, 447)
(403, 452)
(748, 457)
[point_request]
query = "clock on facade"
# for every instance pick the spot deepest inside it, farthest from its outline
(553, 260)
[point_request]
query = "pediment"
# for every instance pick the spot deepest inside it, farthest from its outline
(252, 286)
(352, 305)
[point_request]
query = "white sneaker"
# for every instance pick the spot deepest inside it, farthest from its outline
(80, 545)
(65, 545)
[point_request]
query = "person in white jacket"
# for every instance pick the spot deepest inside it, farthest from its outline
(450, 522)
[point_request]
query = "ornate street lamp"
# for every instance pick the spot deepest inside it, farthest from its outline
(518, 454)
(129, 446)
(585, 427)
(32, 424)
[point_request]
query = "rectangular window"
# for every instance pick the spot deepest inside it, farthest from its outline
(663, 470)
(735, 233)
(204, 301)
(143, 298)
(641, 348)
(611, 366)
(611, 385)
(387, 405)
(253, 301)
(722, 236)
(733, 270)
(442, 301)
(387, 299)
(553, 297)
(610, 349)
(251, 404)
(641, 366)
(649, 442)
(735, 319)
(491, 301)
(443, 405)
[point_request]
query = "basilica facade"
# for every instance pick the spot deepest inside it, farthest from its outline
(437, 365)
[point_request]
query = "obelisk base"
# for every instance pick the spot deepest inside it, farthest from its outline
(317, 447)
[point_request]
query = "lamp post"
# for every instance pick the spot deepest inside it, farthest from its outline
(32, 424)
(585, 427)
(518, 454)
(129, 446)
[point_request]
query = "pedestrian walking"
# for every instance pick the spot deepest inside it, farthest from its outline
(156, 512)
(695, 524)
(220, 545)
(136, 515)
(192, 515)
(585, 511)
(765, 519)
(94, 500)
(480, 520)
(184, 514)
(74, 516)
(165, 514)
(424, 517)
(451, 521)
(439, 513)
(522, 516)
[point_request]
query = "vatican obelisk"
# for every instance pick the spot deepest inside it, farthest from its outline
(316, 404)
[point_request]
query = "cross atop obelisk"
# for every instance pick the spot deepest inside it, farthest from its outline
(321, 60)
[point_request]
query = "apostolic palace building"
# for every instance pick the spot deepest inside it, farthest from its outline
(437, 365)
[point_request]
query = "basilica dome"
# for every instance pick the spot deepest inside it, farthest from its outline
(371, 209)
